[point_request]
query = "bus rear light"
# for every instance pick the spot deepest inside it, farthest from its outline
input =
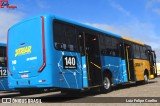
(61, 72)
(42, 67)
(43, 46)
(42, 81)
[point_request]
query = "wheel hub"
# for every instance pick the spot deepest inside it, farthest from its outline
(106, 83)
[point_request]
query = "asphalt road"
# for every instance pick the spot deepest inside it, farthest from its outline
(118, 94)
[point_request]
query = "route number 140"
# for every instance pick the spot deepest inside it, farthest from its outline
(69, 62)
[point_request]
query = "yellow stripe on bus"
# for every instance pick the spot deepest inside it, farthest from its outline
(125, 38)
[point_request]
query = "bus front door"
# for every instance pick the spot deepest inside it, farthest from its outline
(91, 61)
(152, 61)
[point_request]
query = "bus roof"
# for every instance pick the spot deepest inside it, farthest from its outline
(131, 40)
(87, 26)
(69, 21)
(81, 25)
(2, 44)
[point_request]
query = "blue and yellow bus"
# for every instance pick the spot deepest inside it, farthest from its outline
(51, 52)
(3, 68)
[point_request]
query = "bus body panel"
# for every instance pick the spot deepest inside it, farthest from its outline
(45, 79)
(117, 66)
(68, 78)
(124, 70)
(25, 54)
(140, 66)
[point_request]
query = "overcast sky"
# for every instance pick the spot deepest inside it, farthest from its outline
(136, 19)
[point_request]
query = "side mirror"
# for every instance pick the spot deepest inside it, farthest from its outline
(153, 52)
(155, 55)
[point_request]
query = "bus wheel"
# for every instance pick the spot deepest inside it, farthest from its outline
(145, 78)
(106, 84)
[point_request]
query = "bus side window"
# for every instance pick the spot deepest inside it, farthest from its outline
(80, 40)
(103, 51)
(143, 53)
(64, 46)
(136, 51)
(64, 36)
(71, 38)
(58, 45)
(71, 47)
(113, 53)
(59, 36)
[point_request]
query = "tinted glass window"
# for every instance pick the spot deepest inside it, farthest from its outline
(108, 42)
(143, 53)
(108, 46)
(2, 57)
(114, 43)
(65, 37)
(102, 42)
(136, 51)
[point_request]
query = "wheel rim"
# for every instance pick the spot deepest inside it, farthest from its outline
(145, 78)
(106, 83)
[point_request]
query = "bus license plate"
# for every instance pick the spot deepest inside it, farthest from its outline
(24, 76)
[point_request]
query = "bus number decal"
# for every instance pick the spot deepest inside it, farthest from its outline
(69, 62)
(3, 72)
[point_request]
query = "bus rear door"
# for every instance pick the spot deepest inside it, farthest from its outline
(91, 61)
(126, 51)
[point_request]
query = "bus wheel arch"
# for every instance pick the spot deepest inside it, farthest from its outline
(107, 81)
(108, 72)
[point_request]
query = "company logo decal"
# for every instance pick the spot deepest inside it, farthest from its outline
(23, 51)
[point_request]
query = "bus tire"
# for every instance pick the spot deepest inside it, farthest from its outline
(145, 78)
(106, 87)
